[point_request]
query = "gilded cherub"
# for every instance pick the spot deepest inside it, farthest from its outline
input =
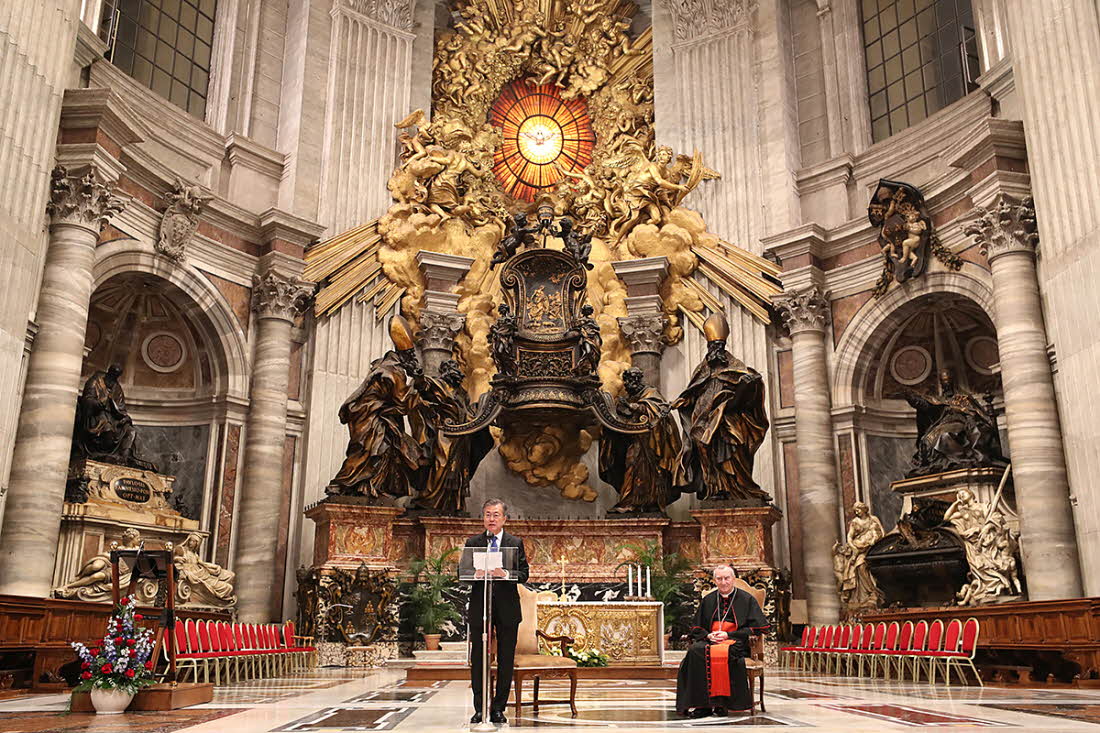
(521, 235)
(915, 227)
(646, 187)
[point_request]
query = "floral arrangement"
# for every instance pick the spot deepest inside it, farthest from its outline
(123, 660)
(584, 658)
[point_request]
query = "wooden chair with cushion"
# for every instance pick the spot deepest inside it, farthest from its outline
(754, 663)
(530, 664)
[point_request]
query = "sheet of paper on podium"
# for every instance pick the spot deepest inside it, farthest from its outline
(488, 560)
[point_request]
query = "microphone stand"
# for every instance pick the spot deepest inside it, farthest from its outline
(486, 614)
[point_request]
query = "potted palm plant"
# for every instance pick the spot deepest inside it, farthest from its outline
(670, 578)
(121, 665)
(426, 599)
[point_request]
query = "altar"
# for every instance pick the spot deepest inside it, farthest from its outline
(630, 633)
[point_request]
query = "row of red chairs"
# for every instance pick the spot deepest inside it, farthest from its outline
(888, 650)
(240, 651)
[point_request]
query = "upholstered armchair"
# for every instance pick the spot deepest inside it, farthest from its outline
(534, 665)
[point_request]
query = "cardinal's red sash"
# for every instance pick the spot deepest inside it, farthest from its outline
(718, 668)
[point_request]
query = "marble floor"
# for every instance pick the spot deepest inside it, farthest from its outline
(331, 701)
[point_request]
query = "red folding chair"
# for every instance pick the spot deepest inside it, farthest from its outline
(952, 646)
(968, 647)
(897, 656)
(920, 639)
(849, 655)
(934, 646)
(872, 650)
(786, 653)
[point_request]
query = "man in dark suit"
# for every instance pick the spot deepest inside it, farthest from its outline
(506, 612)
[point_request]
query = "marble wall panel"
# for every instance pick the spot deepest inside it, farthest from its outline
(180, 451)
(887, 461)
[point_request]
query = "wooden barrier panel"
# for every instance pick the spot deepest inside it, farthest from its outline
(45, 626)
(1027, 642)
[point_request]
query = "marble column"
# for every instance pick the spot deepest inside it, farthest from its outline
(1048, 542)
(81, 203)
(645, 333)
(1053, 47)
(440, 321)
(643, 327)
(277, 299)
(436, 339)
(805, 313)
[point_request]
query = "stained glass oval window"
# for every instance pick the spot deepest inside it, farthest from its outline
(541, 132)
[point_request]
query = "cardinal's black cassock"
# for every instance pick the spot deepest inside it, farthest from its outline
(713, 675)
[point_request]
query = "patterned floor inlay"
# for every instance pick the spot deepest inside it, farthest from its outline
(790, 693)
(905, 715)
(158, 722)
(627, 718)
(1084, 713)
(393, 696)
(341, 701)
(349, 719)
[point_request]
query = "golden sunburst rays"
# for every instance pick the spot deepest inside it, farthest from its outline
(541, 132)
(749, 280)
(344, 265)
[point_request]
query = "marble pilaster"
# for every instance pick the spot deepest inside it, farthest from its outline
(277, 299)
(80, 205)
(442, 274)
(805, 313)
(1048, 542)
(642, 278)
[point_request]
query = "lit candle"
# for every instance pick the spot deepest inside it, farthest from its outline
(629, 579)
(648, 587)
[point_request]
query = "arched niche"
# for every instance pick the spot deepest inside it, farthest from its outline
(900, 342)
(183, 359)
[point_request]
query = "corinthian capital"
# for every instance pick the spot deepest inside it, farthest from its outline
(1009, 227)
(438, 330)
(275, 295)
(693, 19)
(805, 310)
(645, 333)
(394, 13)
(83, 199)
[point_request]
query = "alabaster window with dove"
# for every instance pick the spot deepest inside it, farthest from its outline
(542, 135)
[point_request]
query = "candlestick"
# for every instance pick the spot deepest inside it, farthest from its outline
(629, 579)
(562, 597)
(648, 586)
(638, 580)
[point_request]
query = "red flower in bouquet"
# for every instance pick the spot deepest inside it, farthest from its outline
(85, 675)
(124, 601)
(129, 673)
(85, 665)
(119, 639)
(149, 665)
(131, 642)
(105, 669)
(138, 617)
